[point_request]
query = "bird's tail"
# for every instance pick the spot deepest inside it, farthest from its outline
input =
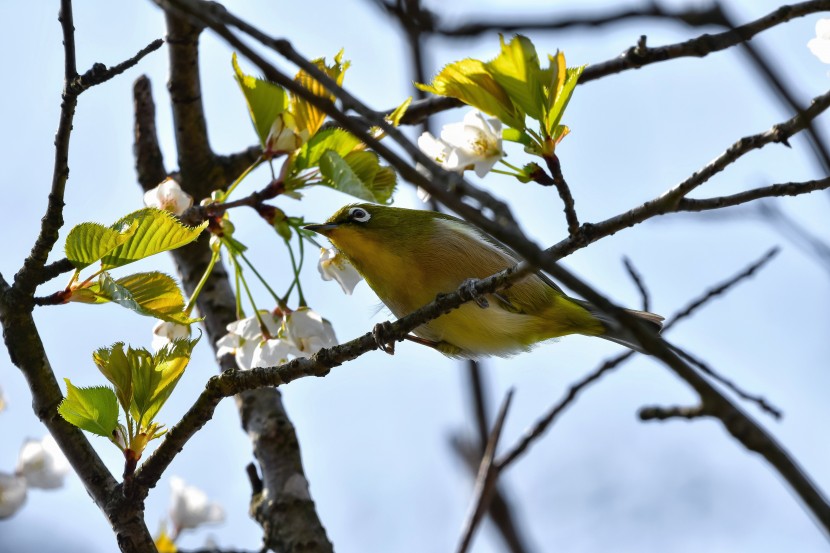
(619, 334)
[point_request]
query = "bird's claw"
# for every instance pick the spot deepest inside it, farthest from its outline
(468, 291)
(381, 333)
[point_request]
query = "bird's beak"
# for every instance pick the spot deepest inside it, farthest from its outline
(323, 229)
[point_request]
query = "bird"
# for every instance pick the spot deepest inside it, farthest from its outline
(410, 256)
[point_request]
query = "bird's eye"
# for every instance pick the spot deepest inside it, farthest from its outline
(359, 214)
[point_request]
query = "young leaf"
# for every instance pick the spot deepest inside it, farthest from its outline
(309, 117)
(89, 242)
(113, 364)
(155, 377)
(517, 70)
(347, 175)
(338, 140)
(470, 81)
(397, 114)
(156, 231)
(92, 409)
(151, 294)
(563, 93)
(265, 99)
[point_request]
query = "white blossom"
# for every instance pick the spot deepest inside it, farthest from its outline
(272, 352)
(308, 332)
(334, 266)
(820, 46)
(42, 463)
(190, 507)
(474, 142)
(243, 338)
(165, 332)
(12, 494)
(168, 196)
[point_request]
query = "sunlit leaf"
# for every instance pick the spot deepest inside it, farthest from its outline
(92, 409)
(151, 294)
(563, 96)
(266, 100)
(155, 377)
(470, 81)
(397, 114)
(358, 174)
(89, 242)
(156, 231)
(113, 364)
(517, 70)
(307, 116)
(337, 140)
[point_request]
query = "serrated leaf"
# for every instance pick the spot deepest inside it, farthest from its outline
(470, 81)
(266, 100)
(92, 409)
(155, 377)
(563, 95)
(307, 116)
(151, 294)
(338, 140)
(113, 364)
(517, 70)
(89, 242)
(156, 231)
(397, 114)
(347, 175)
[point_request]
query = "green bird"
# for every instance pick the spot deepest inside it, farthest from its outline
(410, 256)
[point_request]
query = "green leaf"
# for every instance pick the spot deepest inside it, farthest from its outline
(563, 95)
(113, 364)
(515, 135)
(517, 70)
(358, 174)
(397, 114)
(156, 231)
(470, 81)
(92, 409)
(89, 242)
(265, 99)
(337, 140)
(155, 377)
(309, 117)
(151, 294)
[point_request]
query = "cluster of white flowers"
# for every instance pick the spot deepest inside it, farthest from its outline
(299, 333)
(40, 464)
(820, 46)
(168, 196)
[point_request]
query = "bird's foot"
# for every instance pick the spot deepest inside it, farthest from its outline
(468, 292)
(381, 333)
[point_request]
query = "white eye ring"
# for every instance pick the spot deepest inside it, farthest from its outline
(359, 215)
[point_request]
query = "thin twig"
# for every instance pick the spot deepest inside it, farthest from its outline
(762, 403)
(561, 185)
(487, 475)
(638, 282)
(675, 412)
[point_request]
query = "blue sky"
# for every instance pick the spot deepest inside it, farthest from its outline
(375, 432)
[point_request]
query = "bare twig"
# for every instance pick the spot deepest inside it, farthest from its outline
(541, 426)
(486, 479)
(675, 412)
(762, 403)
(638, 282)
(561, 185)
(774, 190)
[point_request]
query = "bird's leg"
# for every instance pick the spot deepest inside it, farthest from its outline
(381, 333)
(422, 341)
(468, 291)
